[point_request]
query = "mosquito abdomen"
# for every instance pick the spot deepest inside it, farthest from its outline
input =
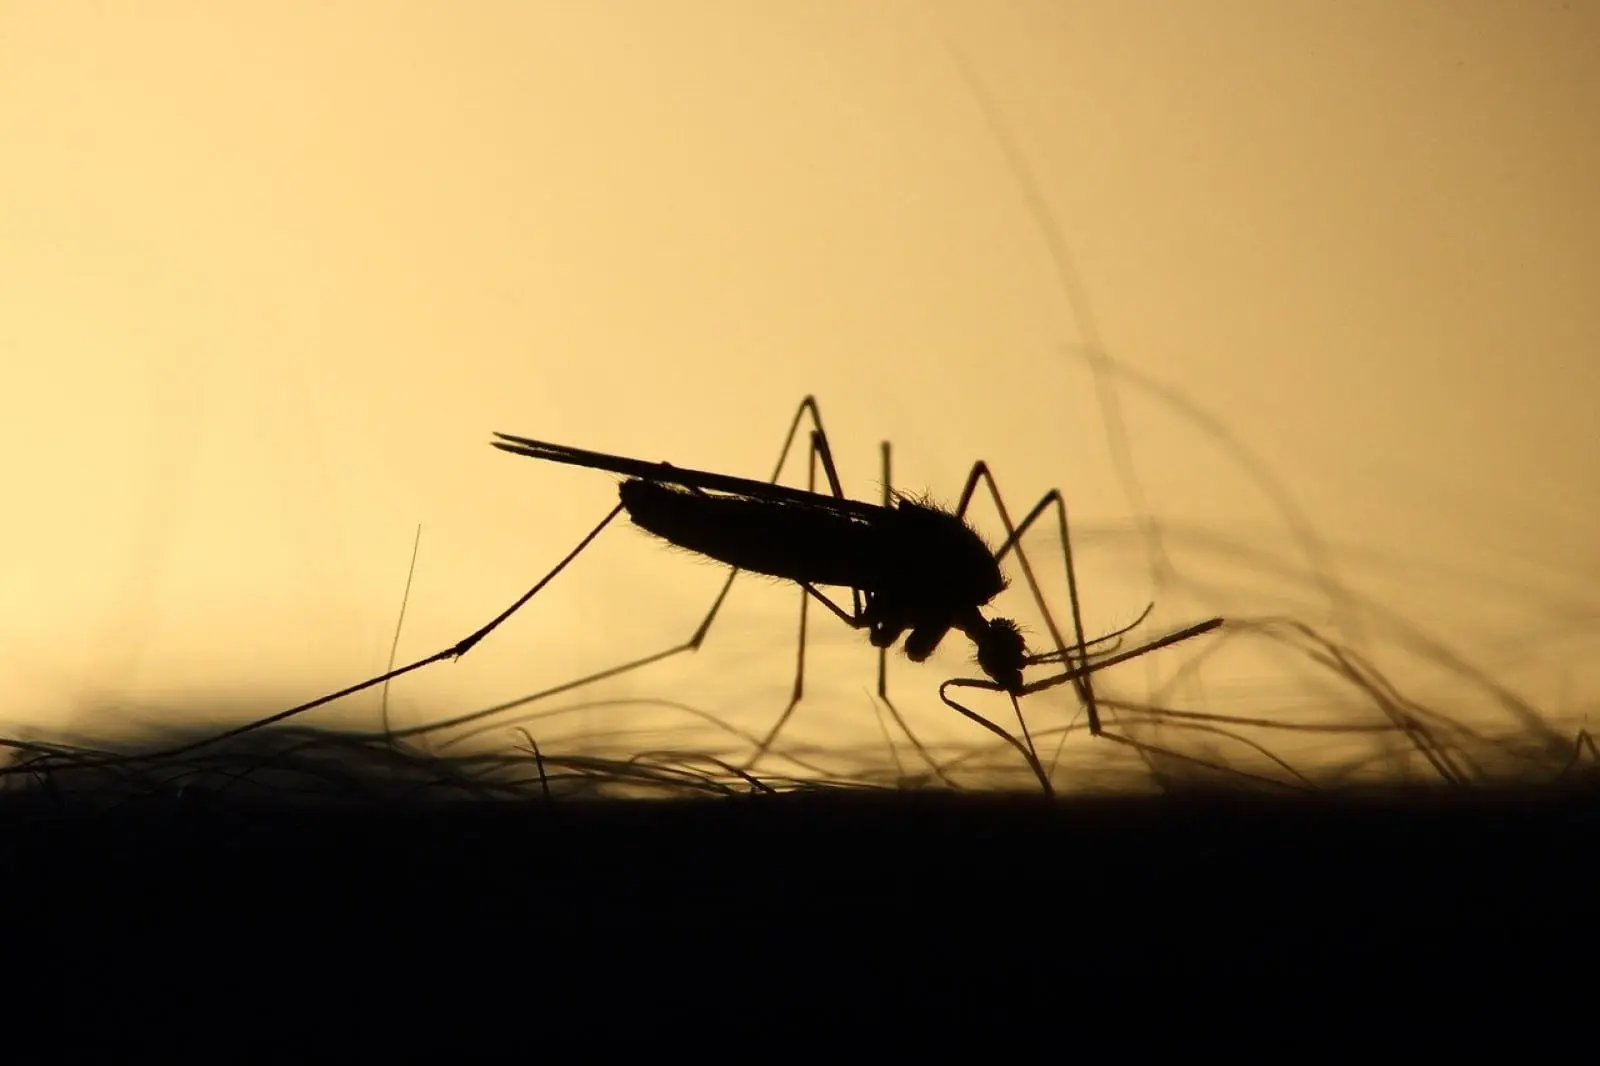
(779, 539)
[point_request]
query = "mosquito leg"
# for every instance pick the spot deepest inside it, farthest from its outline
(818, 446)
(807, 406)
(820, 453)
(821, 450)
(1013, 542)
(455, 651)
(1027, 751)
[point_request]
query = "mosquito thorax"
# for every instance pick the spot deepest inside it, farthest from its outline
(944, 557)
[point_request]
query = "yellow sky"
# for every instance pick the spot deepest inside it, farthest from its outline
(270, 274)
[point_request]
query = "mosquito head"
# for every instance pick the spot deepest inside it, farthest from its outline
(1001, 650)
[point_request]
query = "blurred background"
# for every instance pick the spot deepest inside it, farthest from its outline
(1293, 302)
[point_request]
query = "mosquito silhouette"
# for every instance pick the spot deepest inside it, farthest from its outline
(914, 570)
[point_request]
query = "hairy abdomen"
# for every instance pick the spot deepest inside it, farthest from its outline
(784, 540)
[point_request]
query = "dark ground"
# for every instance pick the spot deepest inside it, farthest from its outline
(733, 905)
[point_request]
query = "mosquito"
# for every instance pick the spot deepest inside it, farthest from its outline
(914, 570)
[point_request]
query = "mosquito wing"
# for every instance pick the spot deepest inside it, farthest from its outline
(667, 474)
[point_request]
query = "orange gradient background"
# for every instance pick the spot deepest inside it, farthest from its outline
(270, 274)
